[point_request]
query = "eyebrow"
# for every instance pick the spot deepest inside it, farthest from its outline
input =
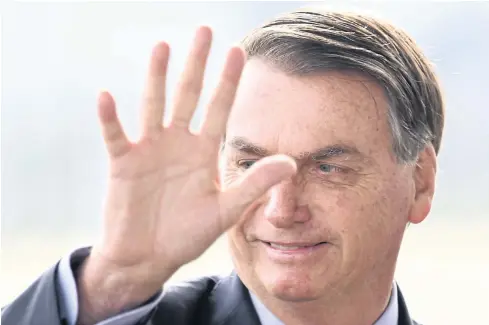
(245, 146)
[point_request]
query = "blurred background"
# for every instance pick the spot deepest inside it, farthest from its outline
(56, 57)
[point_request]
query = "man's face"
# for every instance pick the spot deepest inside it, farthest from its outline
(349, 201)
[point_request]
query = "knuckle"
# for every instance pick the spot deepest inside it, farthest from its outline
(154, 100)
(119, 150)
(191, 87)
(180, 121)
(214, 136)
(112, 133)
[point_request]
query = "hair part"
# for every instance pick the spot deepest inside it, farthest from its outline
(313, 41)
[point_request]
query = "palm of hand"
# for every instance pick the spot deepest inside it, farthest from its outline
(164, 206)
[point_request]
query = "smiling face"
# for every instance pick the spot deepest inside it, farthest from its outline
(338, 223)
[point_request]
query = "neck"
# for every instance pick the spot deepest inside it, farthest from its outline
(369, 301)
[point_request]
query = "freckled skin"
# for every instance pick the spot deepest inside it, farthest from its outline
(361, 208)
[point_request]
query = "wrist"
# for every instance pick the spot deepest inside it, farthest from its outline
(106, 290)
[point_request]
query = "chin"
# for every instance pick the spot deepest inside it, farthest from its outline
(293, 285)
(297, 296)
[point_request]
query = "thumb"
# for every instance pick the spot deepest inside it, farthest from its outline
(264, 174)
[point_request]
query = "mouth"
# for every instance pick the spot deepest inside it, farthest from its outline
(293, 246)
(295, 252)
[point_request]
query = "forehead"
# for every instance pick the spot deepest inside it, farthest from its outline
(285, 113)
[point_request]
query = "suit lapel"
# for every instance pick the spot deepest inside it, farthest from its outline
(232, 303)
(404, 317)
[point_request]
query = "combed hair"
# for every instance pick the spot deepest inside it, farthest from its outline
(314, 41)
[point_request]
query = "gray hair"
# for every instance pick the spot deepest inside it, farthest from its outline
(312, 41)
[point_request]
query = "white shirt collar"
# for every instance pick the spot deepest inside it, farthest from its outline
(389, 316)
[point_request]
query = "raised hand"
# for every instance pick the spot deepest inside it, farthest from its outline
(164, 206)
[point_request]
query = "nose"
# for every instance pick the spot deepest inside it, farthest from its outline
(283, 209)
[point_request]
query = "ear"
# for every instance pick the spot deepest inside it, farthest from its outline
(424, 180)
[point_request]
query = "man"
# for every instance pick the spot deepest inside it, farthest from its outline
(328, 153)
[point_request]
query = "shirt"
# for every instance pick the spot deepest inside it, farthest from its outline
(69, 304)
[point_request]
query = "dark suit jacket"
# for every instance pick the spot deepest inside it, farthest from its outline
(206, 301)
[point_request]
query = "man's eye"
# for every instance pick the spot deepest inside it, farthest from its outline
(326, 168)
(245, 164)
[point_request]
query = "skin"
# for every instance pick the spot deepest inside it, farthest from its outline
(357, 199)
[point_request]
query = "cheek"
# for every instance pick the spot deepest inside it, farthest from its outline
(370, 221)
(242, 246)
(376, 205)
(238, 246)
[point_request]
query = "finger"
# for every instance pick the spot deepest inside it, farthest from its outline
(154, 97)
(190, 85)
(115, 139)
(264, 174)
(218, 110)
